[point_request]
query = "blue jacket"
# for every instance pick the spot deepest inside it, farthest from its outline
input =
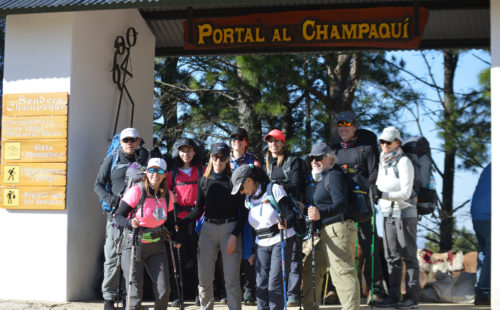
(480, 206)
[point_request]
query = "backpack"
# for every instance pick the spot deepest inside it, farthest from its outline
(287, 171)
(113, 151)
(417, 149)
(358, 199)
(300, 227)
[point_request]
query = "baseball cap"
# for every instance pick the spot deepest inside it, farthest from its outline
(276, 134)
(240, 132)
(182, 142)
(320, 149)
(220, 148)
(157, 162)
(239, 176)
(347, 116)
(389, 134)
(129, 133)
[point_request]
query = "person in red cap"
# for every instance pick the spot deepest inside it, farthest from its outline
(289, 171)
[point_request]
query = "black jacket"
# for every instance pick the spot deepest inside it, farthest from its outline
(295, 184)
(331, 197)
(116, 178)
(218, 203)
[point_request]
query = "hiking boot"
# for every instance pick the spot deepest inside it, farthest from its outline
(407, 304)
(250, 302)
(176, 303)
(109, 305)
(292, 302)
(388, 302)
(223, 300)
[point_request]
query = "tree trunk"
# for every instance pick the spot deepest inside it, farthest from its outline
(450, 150)
(168, 105)
(343, 73)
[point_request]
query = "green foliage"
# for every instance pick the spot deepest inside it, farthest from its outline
(463, 240)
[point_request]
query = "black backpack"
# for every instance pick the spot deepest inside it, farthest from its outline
(287, 172)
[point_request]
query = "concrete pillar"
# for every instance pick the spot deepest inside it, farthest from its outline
(55, 255)
(495, 149)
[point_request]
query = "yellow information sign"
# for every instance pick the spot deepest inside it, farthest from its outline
(43, 150)
(43, 127)
(28, 174)
(35, 104)
(34, 198)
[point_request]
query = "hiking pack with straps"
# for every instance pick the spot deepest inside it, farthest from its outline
(357, 184)
(113, 151)
(418, 150)
(300, 226)
(134, 175)
(358, 199)
(287, 172)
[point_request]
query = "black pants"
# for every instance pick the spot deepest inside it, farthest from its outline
(365, 241)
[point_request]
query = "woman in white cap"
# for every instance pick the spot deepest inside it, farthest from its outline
(267, 223)
(144, 208)
(397, 202)
(225, 216)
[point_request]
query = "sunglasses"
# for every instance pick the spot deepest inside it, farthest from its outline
(344, 124)
(385, 142)
(157, 170)
(239, 138)
(127, 140)
(317, 158)
(221, 158)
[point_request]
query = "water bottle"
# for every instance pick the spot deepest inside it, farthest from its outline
(432, 183)
(360, 198)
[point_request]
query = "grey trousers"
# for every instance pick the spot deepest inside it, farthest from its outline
(295, 274)
(400, 243)
(111, 268)
(269, 274)
(153, 257)
(213, 238)
(365, 241)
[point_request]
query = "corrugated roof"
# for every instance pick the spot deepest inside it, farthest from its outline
(451, 23)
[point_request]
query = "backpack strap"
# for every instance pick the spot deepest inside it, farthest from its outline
(204, 185)
(140, 204)
(270, 197)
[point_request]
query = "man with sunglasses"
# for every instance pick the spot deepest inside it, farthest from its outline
(109, 186)
(331, 213)
(357, 155)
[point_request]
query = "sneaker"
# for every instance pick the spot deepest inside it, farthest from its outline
(292, 302)
(250, 302)
(109, 305)
(176, 303)
(197, 301)
(407, 304)
(223, 300)
(388, 302)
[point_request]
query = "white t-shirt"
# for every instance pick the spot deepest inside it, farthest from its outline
(262, 215)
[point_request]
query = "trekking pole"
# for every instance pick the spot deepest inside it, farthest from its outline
(181, 290)
(282, 237)
(313, 263)
(299, 245)
(176, 273)
(326, 285)
(119, 292)
(135, 237)
(372, 248)
(357, 257)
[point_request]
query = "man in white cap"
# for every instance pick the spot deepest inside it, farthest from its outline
(109, 186)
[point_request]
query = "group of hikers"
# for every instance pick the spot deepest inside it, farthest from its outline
(260, 218)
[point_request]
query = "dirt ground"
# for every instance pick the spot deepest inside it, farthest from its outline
(97, 305)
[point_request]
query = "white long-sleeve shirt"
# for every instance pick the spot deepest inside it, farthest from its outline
(396, 192)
